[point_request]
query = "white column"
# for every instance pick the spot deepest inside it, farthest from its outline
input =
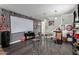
(43, 26)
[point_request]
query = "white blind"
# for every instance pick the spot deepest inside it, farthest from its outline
(20, 24)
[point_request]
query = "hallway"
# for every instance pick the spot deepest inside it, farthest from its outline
(39, 47)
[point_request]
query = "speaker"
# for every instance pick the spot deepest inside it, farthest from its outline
(5, 39)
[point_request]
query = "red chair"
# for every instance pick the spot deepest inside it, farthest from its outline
(76, 36)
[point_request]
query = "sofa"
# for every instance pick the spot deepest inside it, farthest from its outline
(29, 35)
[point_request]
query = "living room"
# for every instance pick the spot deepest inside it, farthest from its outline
(28, 25)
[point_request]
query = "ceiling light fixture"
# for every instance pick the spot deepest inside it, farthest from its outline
(55, 17)
(55, 13)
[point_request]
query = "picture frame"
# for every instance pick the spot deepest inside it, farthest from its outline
(51, 23)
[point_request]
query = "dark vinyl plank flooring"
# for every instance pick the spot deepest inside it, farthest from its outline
(39, 47)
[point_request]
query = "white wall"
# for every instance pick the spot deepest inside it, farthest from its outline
(67, 19)
(57, 23)
(16, 37)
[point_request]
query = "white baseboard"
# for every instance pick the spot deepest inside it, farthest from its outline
(15, 42)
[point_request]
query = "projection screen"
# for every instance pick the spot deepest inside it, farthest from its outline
(20, 24)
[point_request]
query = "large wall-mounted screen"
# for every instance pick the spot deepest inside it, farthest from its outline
(20, 24)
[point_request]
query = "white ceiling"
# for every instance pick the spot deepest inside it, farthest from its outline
(39, 11)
